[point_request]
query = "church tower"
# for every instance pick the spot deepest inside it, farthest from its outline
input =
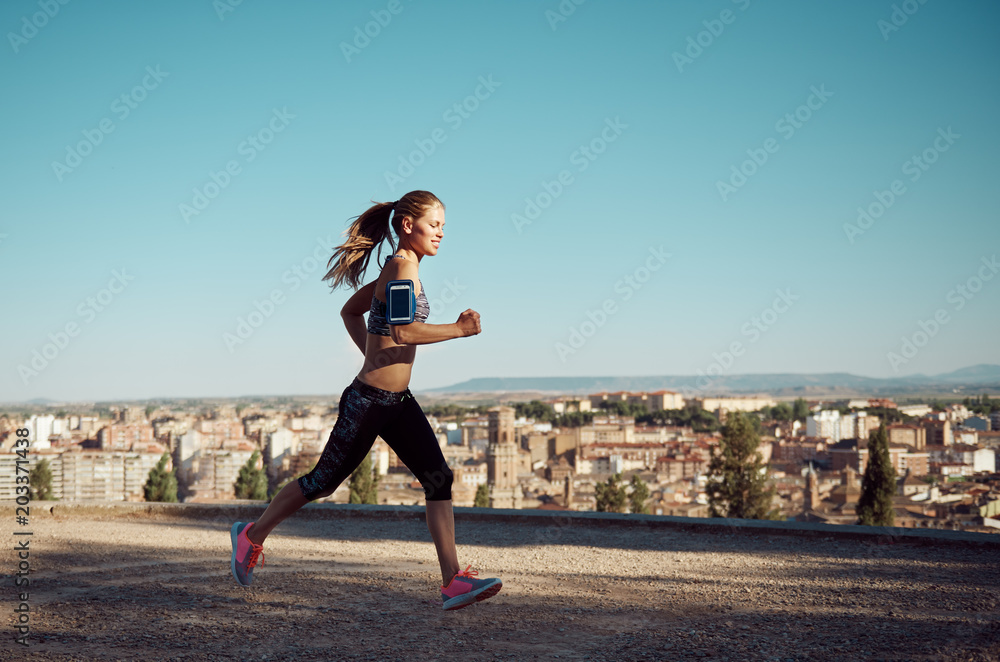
(502, 459)
(812, 490)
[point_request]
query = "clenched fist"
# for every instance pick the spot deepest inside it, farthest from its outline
(468, 323)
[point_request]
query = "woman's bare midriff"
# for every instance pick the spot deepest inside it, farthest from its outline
(387, 365)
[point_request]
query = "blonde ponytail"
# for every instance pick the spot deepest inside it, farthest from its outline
(367, 233)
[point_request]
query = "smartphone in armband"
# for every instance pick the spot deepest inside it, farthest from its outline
(402, 304)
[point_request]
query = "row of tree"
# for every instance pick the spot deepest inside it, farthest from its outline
(612, 495)
(981, 405)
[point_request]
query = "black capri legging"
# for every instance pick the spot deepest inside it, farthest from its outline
(364, 413)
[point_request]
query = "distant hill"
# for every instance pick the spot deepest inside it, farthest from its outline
(43, 402)
(983, 375)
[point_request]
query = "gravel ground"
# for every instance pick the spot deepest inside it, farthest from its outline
(156, 587)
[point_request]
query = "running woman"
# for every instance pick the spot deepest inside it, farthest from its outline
(378, 402)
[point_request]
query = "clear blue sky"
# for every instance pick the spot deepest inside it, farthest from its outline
(346, 120)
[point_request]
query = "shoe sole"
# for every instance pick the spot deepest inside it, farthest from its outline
(478, 596)
(233, 536)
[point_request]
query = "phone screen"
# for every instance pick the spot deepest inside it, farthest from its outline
(399, 303)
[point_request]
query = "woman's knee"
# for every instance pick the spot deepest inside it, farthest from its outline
(437, 483)
(319, 484)
(310, 489)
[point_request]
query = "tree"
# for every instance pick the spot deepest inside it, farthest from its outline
(983, 406)
(737, 485)
(620, 408)
(573, 419)
(482, 496)
(800, 409)
(161, 485)
(251, 483)
(637, 498)
(611, 495)
(780, 412)
(535, 409)
(364, 482)
(40, 481)
(878, 484)
(698, 419)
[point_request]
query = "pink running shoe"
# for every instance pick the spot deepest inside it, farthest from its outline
(464, 589)
(245, 553)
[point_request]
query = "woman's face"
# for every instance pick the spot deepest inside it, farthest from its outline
(426, 232)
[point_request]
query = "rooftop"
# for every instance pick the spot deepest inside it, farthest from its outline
(145, 581)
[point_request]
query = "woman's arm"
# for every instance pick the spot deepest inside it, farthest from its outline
(418, 333)
(361, 301)
(353, 314)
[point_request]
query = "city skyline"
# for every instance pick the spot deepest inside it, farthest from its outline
(635, 189)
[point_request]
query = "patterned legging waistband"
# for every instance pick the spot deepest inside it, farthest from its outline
(378, 395)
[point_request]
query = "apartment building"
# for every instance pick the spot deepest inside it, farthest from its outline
(825, 424)
(670, 469)
(607, 429)
(907, 434)
(939, 432)
(9, 473)
(104, 475)
(122, 436)
(800, 451)
(720, 406)
(569, 405)
(615, 457)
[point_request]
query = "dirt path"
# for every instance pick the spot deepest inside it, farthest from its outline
(358, 589)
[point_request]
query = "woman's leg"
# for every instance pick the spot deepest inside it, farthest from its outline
(352, 437)
(441, 523)
(414, 442)
(285, 502)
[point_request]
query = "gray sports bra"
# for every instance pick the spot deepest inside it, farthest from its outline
(376, 316)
